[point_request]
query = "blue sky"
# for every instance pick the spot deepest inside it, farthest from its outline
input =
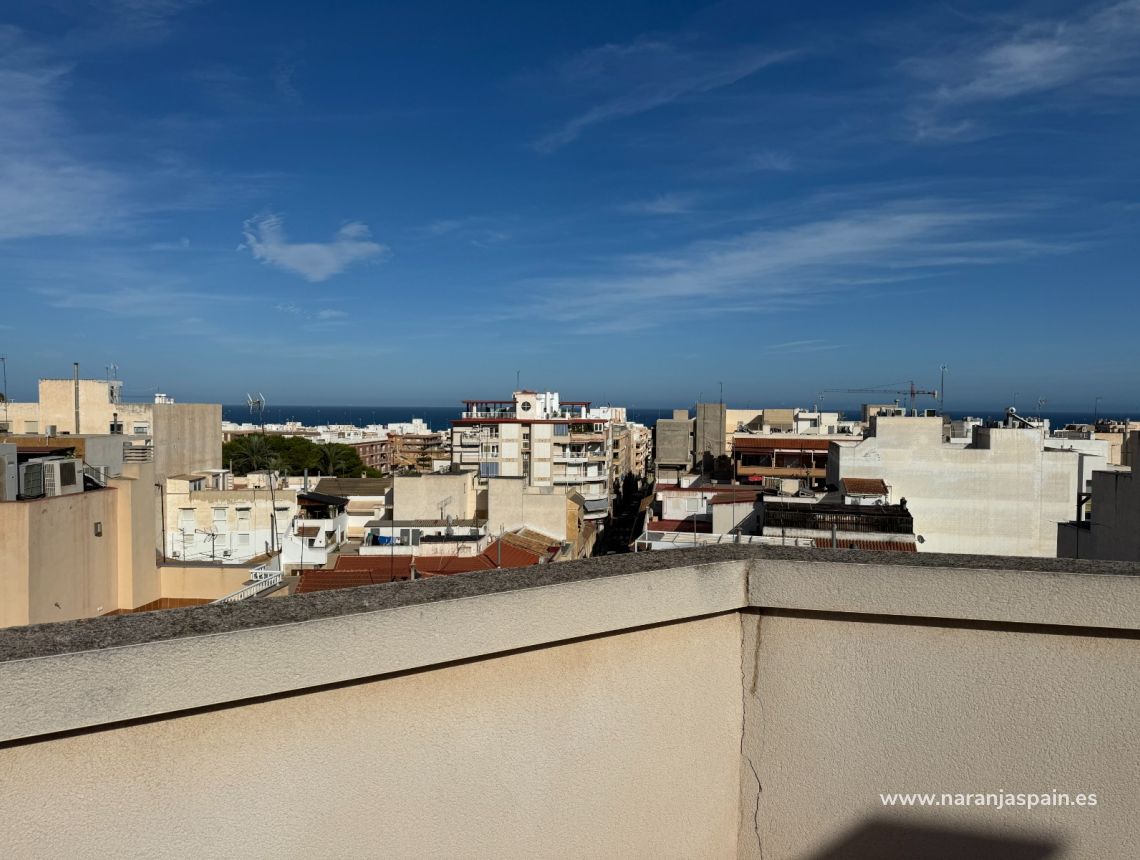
(406, 203)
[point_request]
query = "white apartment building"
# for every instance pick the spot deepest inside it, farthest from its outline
(537, 436)
(207, 520)
(1003, 494)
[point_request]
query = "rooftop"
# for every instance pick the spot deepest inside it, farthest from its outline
(730, 701)
(865, 486)
(354, 486)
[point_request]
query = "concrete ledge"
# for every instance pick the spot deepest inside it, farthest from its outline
(1013, 595)
(17, 643)
(74, 675)
(68, 691)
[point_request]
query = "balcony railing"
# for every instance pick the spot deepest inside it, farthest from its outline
(137, 453)
(263, 579)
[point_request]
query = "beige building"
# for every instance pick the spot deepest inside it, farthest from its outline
(728, 702)
(544, 440)
(184, 437)
(81, 553)
(1003, 494)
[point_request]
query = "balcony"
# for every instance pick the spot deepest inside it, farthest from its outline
(495, 414)
(587, 437)
(600, 477)
(729, 701)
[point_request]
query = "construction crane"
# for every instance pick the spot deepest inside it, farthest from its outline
(911, 393)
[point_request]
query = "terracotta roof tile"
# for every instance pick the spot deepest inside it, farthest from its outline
(865, 486)
(701, 526)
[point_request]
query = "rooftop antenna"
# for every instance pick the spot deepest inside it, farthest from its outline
(942, 389)
(257, 404)
(4, 393)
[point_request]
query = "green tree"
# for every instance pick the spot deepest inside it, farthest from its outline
(248, 453)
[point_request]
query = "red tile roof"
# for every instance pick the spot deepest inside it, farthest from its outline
(776, 443)
(327, 580)
(355, 570)
(396, 563)
(735, 497)
(701, 526)
(873, 545)
(865, 486)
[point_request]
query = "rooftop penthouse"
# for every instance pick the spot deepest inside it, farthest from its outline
(730, 701)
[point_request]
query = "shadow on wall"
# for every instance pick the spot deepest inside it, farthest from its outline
(879, 839)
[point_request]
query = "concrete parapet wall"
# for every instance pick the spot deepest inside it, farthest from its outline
(727, 701)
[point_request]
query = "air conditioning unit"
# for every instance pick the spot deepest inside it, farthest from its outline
(57, 477)
(52, 430)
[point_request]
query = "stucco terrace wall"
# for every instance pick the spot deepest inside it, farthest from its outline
(718, 702)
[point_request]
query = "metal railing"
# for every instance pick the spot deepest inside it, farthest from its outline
(262, 579)
(137, 453)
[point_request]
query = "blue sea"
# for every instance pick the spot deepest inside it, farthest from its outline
(439, 417)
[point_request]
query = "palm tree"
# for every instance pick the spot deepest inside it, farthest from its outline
(333, 459)
(251, 454)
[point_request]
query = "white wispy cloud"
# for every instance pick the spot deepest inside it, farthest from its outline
(1045, 55)
(663, 204)
(315, 261)
(329, 314)
(182, 244)
(1092, 53)
(774, 161)
(480, 231)
(777, 268)
(46, 188)
(629, 79)
(814, 345)
(117, 285)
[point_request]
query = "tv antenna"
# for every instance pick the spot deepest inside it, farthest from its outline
(257, 406)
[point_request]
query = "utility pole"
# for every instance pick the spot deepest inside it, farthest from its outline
(942, 390)
(4, 365)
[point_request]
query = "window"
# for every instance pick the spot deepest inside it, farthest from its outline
(243, 540)
(141, 429)
(186, 519)
(488, 470)
(220, 515)
(561, 429)
(31, 426)
(243, 519)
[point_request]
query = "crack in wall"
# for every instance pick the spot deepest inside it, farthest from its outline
(746, 691)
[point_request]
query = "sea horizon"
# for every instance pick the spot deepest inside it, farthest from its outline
(440, 417)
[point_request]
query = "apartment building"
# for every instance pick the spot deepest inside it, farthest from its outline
(373, 453)
(183, 437)
(1002, 494)
(1112, 529)
(546, 441)
(76, 539)
(206, 519)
